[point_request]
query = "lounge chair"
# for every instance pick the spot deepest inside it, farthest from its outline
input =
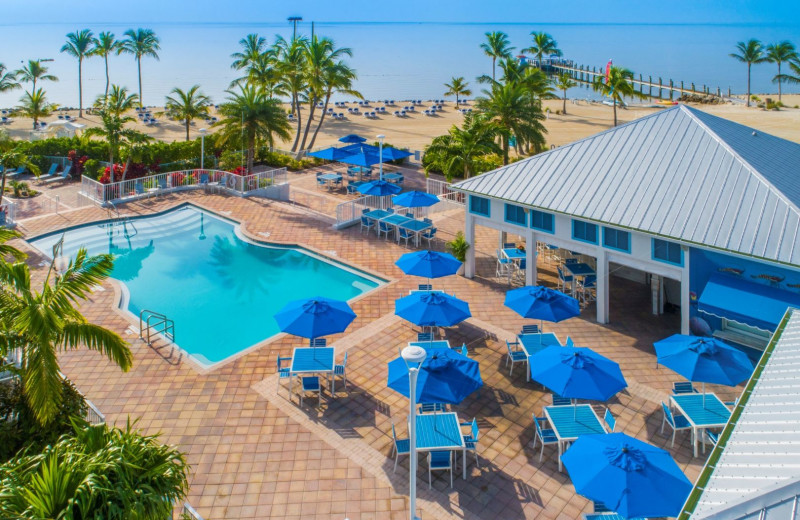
(62, 176)
(310, 384)
(546, 436)
(676, 422)
(514, 355)
(51, 172)
(399, 447)
(440, 461)
(14, 173)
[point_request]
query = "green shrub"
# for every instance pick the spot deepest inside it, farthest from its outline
(42, 162)
(93, 169)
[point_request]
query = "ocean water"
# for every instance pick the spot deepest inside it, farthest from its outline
(399, 60)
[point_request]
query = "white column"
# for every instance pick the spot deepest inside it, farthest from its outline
(685, 298)
(469, 236)
(530, 259)
(501, 239)
(602, 287)
(655, 287)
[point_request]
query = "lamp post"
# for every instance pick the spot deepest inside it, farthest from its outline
(294, 20)
(413, 356)
(380, 155)
(202, 147)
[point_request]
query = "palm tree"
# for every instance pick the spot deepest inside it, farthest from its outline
(79, 46)
(290, 65)
(252, 49)
(32, 72)
(8, 80)
(336, 77)
(794, 79)
(543, 44)
(750, 52)
(563, 83)
(509, 108)
(618, 86)
(188, 105)
(457, 152)
(48, 321)
(140, 43)
(457, 87)
(35, 105)
(118, 101)
(264, 73)
(778, 53)
(497, 45)
(250, 115)
(104, 45)
(113, 130)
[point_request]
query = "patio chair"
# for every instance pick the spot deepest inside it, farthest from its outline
(385, 229)
(712, 437)
(399, 447)
(571, 261)
(611, 423)
(341, 370)
(471, 439)
(432, 407)
(283, 370)
(676, 422)
(318, 342)
(546, 436)
(409, 215)
(321, 183)
(504, 266)
(563, 280)
(366, 223)
(440, 461)
(424, 287)
(138, 189)
(404, 234)
(310, 384)
(514, 356)
(204, 180)
(352, 188)
(508, 245)
(561, 401)
(464, 350)
(530, 329)
(425, 336)
(683, 387)
(429, 235)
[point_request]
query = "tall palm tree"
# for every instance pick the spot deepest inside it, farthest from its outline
(263, 72)
(336, 77)
(457, 87)
(290, 56)
(509, 108)
(779, 53)
(750, 52)
(32, 72)
(250, 115)
(252, 48)
(79, 47)
(794, 78)
(104, 45)
(497, 46)
(118, 101)
(8, 80)
(619, 85)
(48, 321)
(188, 105)
(35, 105)
(563, 83)
(113, 131)
(141, 43)
(457, 152)
(543, 44)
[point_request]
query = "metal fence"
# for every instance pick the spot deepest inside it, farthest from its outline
(188, 512)
(349, 213)
(8, 212)
(448, 198)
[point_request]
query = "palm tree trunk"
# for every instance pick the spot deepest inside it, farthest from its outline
(505, 150)
(124, 170)
(780, 90)
(296, 102)
(615, 111)
(251, 145)
(565, 102)
(313, 105)
(748, 85)
(139, 66)
(80, 87)
(187, 128)
(107, 79)
(3, 185)
(321, 119)
(494, 59)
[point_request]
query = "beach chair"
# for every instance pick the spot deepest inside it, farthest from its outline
(283, 370)
(62, 176)
(399, 447)
(341, 371)
(514, 355)
(51, 172)
(310, 384)
(609, 420)
(440, 460)
(546, 436)
(676, 422)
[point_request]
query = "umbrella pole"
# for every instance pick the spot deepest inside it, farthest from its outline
(704, 394)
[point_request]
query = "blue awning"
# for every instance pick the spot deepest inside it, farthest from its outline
(750, 303)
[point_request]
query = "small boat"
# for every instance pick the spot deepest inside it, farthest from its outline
(666, 102)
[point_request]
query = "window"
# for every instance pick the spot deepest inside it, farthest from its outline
(516, 215)
(668, 252)
(542, 221)
(617, 239)
(584, 231)
(479, 205)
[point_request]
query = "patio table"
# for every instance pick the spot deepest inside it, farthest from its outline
(312, 360)
(416, 227)
(377, 214)
(331, 178)
(579, 269)
(534, 343)
(570, 422)
(440, 431)
(514, 254)
(395, 219)
(437, 343)
(711, 414)
(392, 177)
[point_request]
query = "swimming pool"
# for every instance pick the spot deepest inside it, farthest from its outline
(220, 288)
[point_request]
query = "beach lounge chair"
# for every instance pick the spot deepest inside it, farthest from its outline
(62, 176)
(50, 172)
(561, 401)
(399, 447)
(310, 384)
(676, 422)
(396, 113)
(514, 355)
(402, 113)
(611, 423)
(283, 369)
(341, 371)
(544, 435)
(440, 460)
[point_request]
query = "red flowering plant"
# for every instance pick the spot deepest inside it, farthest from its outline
(240, 170)
(176, 179)
(77, 162)
(106, 177)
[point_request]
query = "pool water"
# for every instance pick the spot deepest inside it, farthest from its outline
(220, 289)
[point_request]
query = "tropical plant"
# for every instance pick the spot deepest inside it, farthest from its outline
(113, 131)
(8, 79)
(252, 49)
(104, 45)
(793, 78)
(497, 46)
(32, 72)
(249, 117)
(336, 77)
(35, 105)
(290, 58)
(187, 106)
(458, 247)
(118, 101)
(543, 44)
(97, 472)
(457, 87)
(563, 83)
(778, 53)
(263, 72)
(140, 43)
(12, 156)
(750, 52)
(457, 152)
(79, 46)
(618, 85)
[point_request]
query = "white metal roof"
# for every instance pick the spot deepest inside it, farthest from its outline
(759, 468)
(679, 173)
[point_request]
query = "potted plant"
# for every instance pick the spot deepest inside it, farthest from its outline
(458, 248)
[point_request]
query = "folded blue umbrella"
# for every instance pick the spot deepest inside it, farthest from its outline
(315, 317)
(444, 377)
(704, 360)
(379, 188)
(629, 476)
(577, 373)
(542, 303)
(428, 264)
(352, 138)
(415, 199)
(432, 309)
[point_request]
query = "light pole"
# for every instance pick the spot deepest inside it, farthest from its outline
(294, 20)
(202, 147)
(380, 155)
(413, 356)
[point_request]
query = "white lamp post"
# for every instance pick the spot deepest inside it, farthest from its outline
(380, 155)
(413, 356)
(202, 147)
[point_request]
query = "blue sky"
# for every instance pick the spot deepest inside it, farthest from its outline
(469, 11)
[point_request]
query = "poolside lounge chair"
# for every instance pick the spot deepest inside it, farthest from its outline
(14, 172)
(310, 384)
(440, 461)
(283, 369)
(683, 387)
(341, 371)
(676, 422)
(62, 176)
(51, 172)
(399, 447)
(611, 423)
(546, 436)
(514, 355)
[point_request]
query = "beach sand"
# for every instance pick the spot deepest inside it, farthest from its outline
(417, 130)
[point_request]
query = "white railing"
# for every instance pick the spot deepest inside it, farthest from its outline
(8, 213)
(448, 198)
(349, 213)
(258, 181)
(189, 512)
(93, 415)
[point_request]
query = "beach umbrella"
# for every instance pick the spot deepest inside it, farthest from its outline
(352, 138)
(331, 154)
(577, 373)
(428, 264)
(542, 303)
(631, 477)
(444, 377)
(415, 199)
(379, 188)
(432, 309)
(314, 317)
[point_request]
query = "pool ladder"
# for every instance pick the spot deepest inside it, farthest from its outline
(151, 322)
(116, 218)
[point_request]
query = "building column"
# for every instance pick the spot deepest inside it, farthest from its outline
(686, 300)
(502, 238)
(531, 256)
(655, 289)
(602, 287)
(469, 236)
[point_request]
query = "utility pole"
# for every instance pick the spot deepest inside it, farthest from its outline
(294, 20)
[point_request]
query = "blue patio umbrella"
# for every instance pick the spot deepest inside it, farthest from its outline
(315, 317)
(542, 303)
(415, 199)
(629, 476)
(352, 138)
(444, 377)
(388, 154)
(432, 309)
(331, 154)
(379, 188)
(428, 264)
(577, 373)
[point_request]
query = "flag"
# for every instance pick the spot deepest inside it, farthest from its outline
(608, 70)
